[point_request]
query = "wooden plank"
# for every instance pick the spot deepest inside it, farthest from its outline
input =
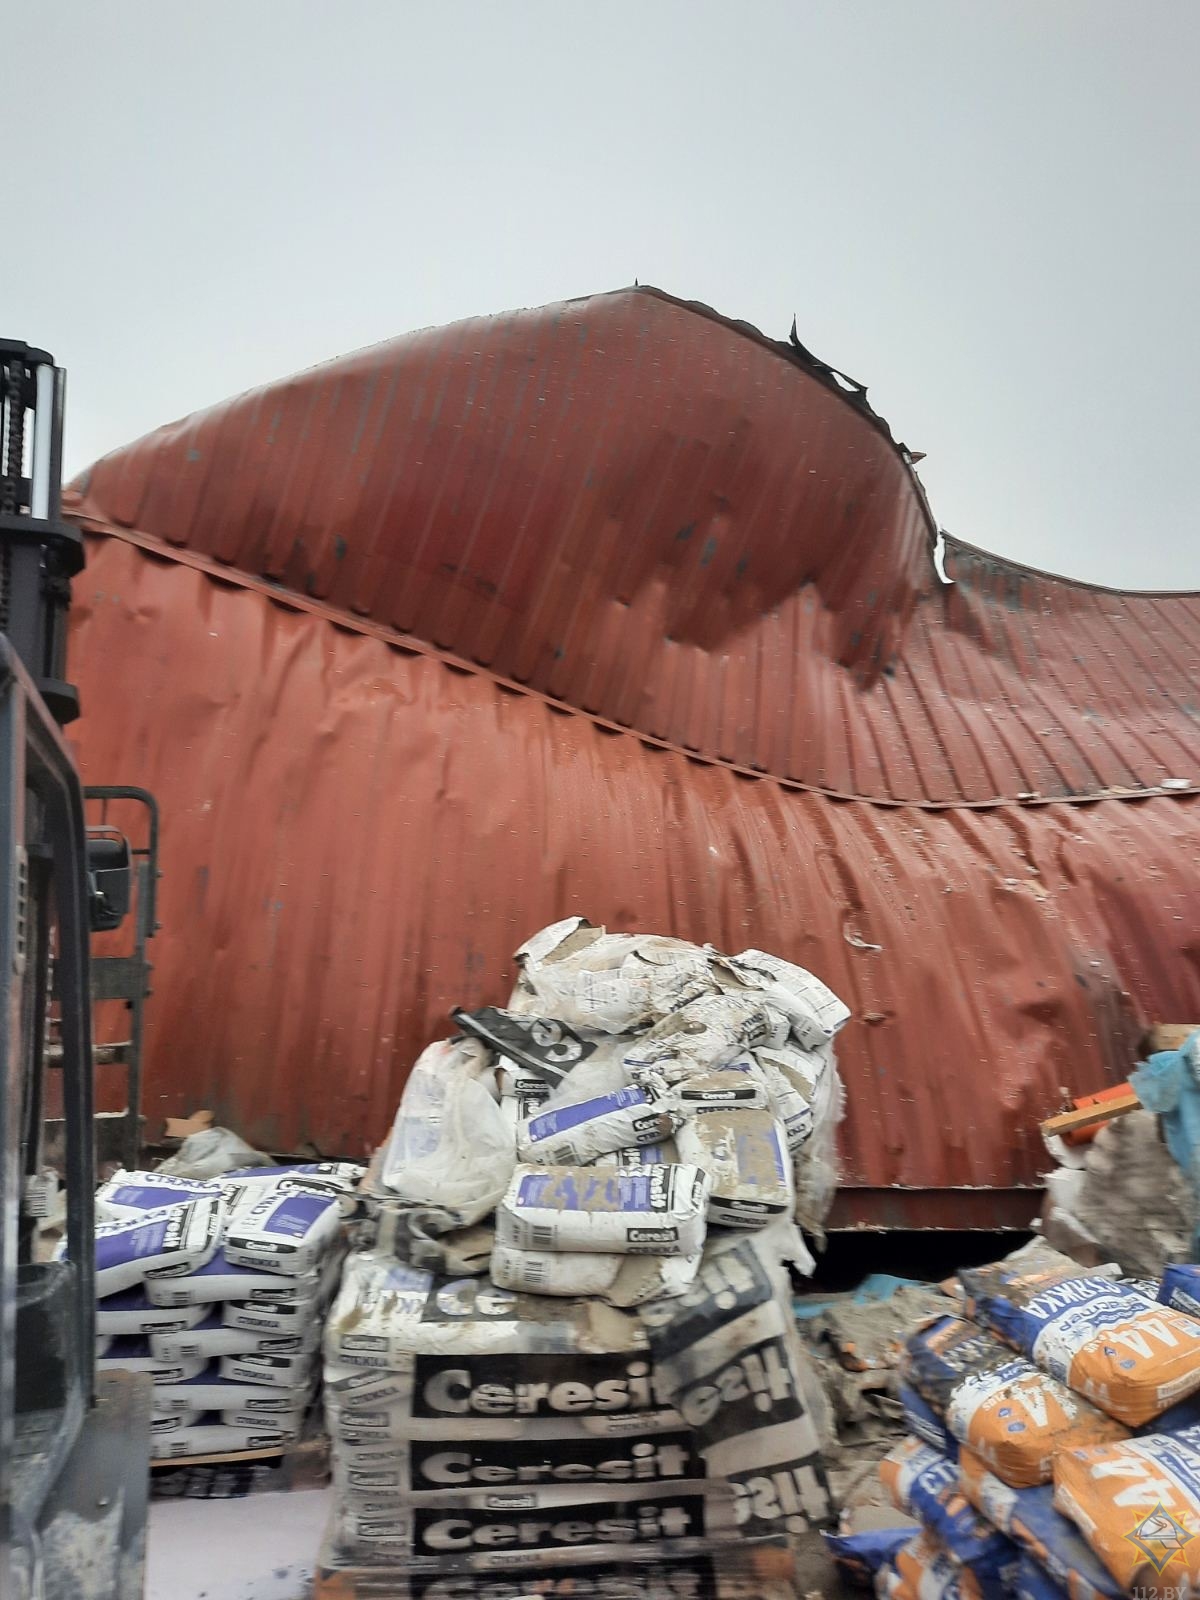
(227, 1458)
(1091, 1116)
(1171, 1035)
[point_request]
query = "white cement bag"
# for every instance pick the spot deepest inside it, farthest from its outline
(622, 1280)
(129, 1194)
(171, 1422)
(293, 1371)
(135, 1355)
(608, 983)
(813, 1010)
(484, 1530)
(209, 1391)
(132, 1312)
(214, 1438)
(272, 1319)
(702, 1036)
(288, 1422)
(748, 1162)
(163, 1405)
(449, 1145)
(211, 1338)
(287, 1230)
(221, 1279)
(177, 1239)
(412, 1355)
(574, 1134)
(521, 1096)
(632, 1211)
(516, 1466)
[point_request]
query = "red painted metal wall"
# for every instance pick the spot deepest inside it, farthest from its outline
(601, 608)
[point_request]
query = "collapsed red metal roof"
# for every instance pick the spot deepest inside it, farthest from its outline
(618, 607)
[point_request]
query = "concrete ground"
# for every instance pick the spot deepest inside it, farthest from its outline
(261, 1547)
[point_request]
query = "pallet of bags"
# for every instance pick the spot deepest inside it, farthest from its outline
(477, 1426)
(470, 1423)
(222, 1286)
(570, 1338)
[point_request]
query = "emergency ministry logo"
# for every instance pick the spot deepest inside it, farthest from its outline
(1159, 1537)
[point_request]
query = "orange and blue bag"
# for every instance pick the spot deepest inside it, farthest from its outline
(998, 1403)
(1129, 1355)
(924, 1483)
(1040, 1532)
(1138, 1505)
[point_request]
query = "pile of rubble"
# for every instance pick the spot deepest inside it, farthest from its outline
(572, 1342)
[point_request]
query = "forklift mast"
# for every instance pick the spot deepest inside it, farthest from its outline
(73, 1453)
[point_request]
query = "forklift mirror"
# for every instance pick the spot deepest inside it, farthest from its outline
(110, 879)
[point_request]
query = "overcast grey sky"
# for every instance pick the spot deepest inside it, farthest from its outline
(986, 210)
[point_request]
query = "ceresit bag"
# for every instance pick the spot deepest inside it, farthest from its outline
(747, 1160)
(1029, 1518)
(133, 1312)
(572, 1135)
(209, 1391)
(703, 1035)
(634, 1211)
(1132, 1357)
(1137, 1503)
(177, 1239)
(221, 1279)
(621, 1280)
(999, 1404)
(135, 1355)
(128, 1194)
(925, 1483)
(287, 1229)
(284, 1370)
(215, 1438)
(517, 1465)
(210, 1338)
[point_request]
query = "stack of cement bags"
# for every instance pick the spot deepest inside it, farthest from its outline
(572, 1343)
(218, 1290)
(1055, 1442)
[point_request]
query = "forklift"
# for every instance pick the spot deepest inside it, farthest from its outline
(74, 1444)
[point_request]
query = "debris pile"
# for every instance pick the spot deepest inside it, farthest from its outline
(217, 1289)
(857, 1343)
(1054, 1441)
(1128, 1190)
(571, 1342)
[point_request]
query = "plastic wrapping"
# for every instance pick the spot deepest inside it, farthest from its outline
(450, 1145)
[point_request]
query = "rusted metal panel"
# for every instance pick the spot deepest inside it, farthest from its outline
(618, 607)
(653, 514)
(355, 838)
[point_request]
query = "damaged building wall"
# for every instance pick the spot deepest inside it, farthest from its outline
(606, 606)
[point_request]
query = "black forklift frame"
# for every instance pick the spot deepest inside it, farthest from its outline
(38, 784)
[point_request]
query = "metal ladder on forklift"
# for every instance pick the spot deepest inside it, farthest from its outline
(125, 977)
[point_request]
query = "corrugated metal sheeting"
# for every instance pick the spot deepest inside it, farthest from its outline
(372, 636)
